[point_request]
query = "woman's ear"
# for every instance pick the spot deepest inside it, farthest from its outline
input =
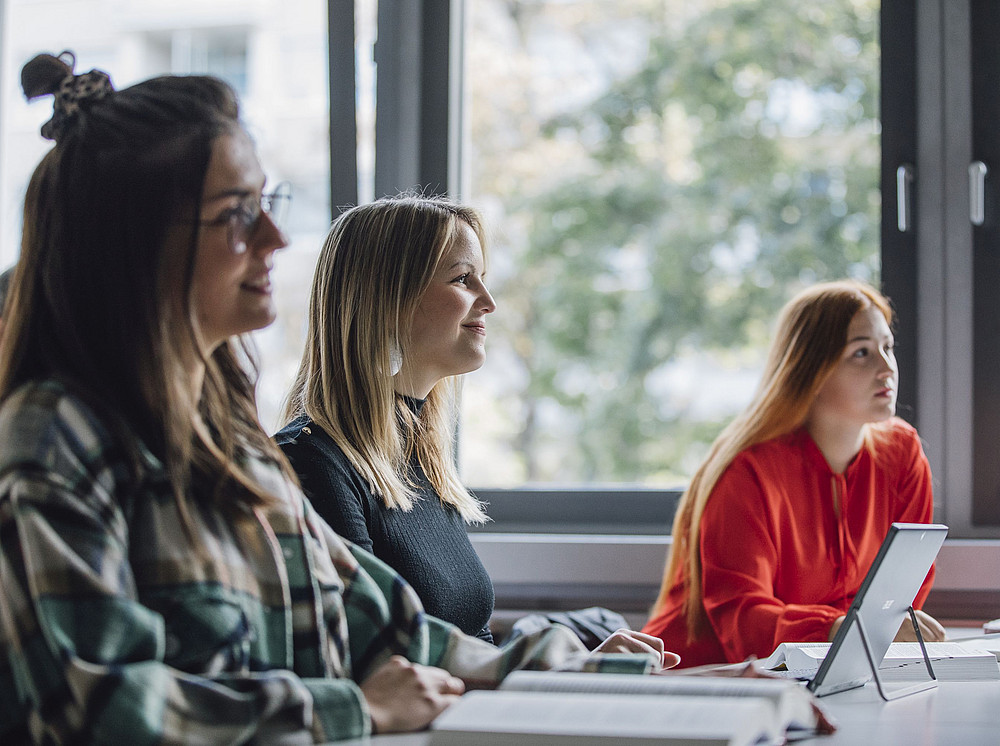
(395, 358)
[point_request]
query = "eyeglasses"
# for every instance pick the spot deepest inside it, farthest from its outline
(243, 220)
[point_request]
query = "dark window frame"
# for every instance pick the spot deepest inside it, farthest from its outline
(417, 98)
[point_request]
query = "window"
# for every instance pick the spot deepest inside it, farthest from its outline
(608, 129)
(927, 268)
(274, 52)
(662, 176)
(220, 52)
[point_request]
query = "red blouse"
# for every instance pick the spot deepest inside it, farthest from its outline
(778, 562)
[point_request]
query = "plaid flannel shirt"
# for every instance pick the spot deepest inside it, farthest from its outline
(116, 627)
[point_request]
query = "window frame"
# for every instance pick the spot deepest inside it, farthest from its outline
(419, 142)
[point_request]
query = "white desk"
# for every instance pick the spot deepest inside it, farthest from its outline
(953, 714)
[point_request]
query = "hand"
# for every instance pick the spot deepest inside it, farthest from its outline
(836, 626)
(404, 696)
(930, 629)
(629, 641)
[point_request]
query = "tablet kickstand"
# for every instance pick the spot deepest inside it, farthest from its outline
(920, 686)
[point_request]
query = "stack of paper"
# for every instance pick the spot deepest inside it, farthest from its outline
(952, 661)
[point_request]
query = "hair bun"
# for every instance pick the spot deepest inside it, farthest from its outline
(48, 75)
(43, 74)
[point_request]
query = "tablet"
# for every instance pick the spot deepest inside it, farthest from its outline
(882, 604)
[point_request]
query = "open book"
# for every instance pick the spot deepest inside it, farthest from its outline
(952, 661)
(988, 643)
(533, 707)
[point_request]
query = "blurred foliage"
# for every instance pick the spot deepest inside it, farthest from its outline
(664, 194)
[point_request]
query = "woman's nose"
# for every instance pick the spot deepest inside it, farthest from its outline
(488, 304)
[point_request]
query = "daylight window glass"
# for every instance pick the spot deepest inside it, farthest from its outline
(661, 176)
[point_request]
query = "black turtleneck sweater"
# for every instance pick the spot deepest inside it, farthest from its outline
(428, 545)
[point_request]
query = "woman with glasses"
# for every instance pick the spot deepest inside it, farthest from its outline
(781, 522)
(164, 579)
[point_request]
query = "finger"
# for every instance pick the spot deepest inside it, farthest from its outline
(670, 659)
(440, 680)
(453, 685)
(930, 628)
(612, 643)
(933, 632)
(632, 634)
(937, 627)
(639, 642)
(652, 640)
(618, 637)
(630, 645)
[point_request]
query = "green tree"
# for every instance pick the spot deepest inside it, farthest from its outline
(675, 209)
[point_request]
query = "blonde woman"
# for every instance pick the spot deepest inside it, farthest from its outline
(781, 522)
(398, 311)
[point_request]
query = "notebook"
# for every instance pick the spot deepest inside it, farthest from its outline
(881, 605)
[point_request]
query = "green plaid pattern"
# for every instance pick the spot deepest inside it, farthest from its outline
(117, 626)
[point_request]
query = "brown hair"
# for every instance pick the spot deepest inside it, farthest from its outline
(108, 245)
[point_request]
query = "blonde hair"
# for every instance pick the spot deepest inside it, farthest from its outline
(810, 338)
(376, 263)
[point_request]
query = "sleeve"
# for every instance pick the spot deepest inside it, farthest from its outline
(739, 560)
(915, 497)
(335, 490)
(401, 627)
(87, 657)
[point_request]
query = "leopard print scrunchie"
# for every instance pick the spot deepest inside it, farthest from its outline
(75, 90)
